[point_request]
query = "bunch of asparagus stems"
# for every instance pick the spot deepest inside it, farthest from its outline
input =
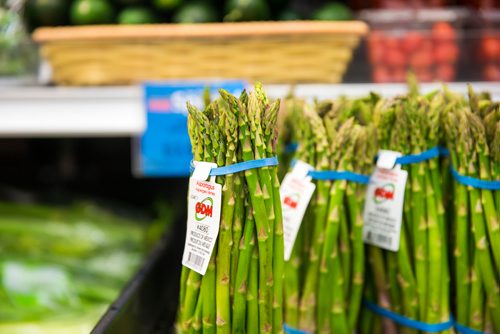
(324, 276)
(414, 281)
(241, 292)
(473, 138)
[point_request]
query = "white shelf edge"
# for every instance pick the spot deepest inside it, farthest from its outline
(119, 111)
(71, 112)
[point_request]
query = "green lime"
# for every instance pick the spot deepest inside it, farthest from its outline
(289, 15)
(46, 12)
(91, 12)
(247, 10)
(130, 2)
(333, 12)
(167, 4)
(136, 15)
(196, 12)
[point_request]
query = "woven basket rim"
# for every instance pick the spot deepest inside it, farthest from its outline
(199, 30)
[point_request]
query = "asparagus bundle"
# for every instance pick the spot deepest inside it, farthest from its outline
(324, 276)
(473, 139)
(414, 281)
(241, 292)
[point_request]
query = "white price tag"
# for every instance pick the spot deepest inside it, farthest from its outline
(383, 212)
(296, 192)
(387, 159)
(204, 208)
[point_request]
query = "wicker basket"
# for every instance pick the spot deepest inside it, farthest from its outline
(271, 52)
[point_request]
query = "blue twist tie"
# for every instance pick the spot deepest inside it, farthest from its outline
(475, 183)
(407, 322)
(338, 175)
(466, 330)
(291, 330)
(434, 152)
(242, 166)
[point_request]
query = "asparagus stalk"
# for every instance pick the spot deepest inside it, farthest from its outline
(242, 276)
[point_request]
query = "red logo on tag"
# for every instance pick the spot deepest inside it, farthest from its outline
(204, 209)
(384, 193)
(291, 201)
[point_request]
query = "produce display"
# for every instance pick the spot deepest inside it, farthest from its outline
(473, 137)
(325, 274)
(445, 272)
(241, 291)
(84, 12)
(415, 280)
(489, 45)
(490, 56)
(61, 267)
(431, 54)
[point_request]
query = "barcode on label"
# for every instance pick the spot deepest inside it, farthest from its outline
(195, 260)
(383, 239)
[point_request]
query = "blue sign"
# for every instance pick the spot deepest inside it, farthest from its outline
(165, 149)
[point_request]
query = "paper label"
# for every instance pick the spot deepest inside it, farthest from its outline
(204, 207)
(383, 212)
(296, 192)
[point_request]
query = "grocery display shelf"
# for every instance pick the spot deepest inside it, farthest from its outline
(148, 304)
(34, 111)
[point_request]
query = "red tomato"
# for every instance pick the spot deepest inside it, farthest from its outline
(381, 74)
(426, 46)
(421, 59)
(376, 36)
(395, 58)
(376, 55)
(491, 72)
(446, 52)
(443, 31)
(399, 74)
(490, 48)
(445, 72)
(392, 43)
(412, 41)
(423, 75)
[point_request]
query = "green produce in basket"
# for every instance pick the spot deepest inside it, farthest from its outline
(136, 15)
(46, 12)
(132, 2)
(85, 12)
(289, 15)
(247, 10)
(196, 12)
(333, 12)
(166, 5)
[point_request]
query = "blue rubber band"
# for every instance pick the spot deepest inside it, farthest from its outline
(407, 322)
(339, 175)
(466, 330)
(443, 151)
(326, 175)
(475, 183)
(291, 330)
(291, 147)
(416, 158)
(242, 166)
